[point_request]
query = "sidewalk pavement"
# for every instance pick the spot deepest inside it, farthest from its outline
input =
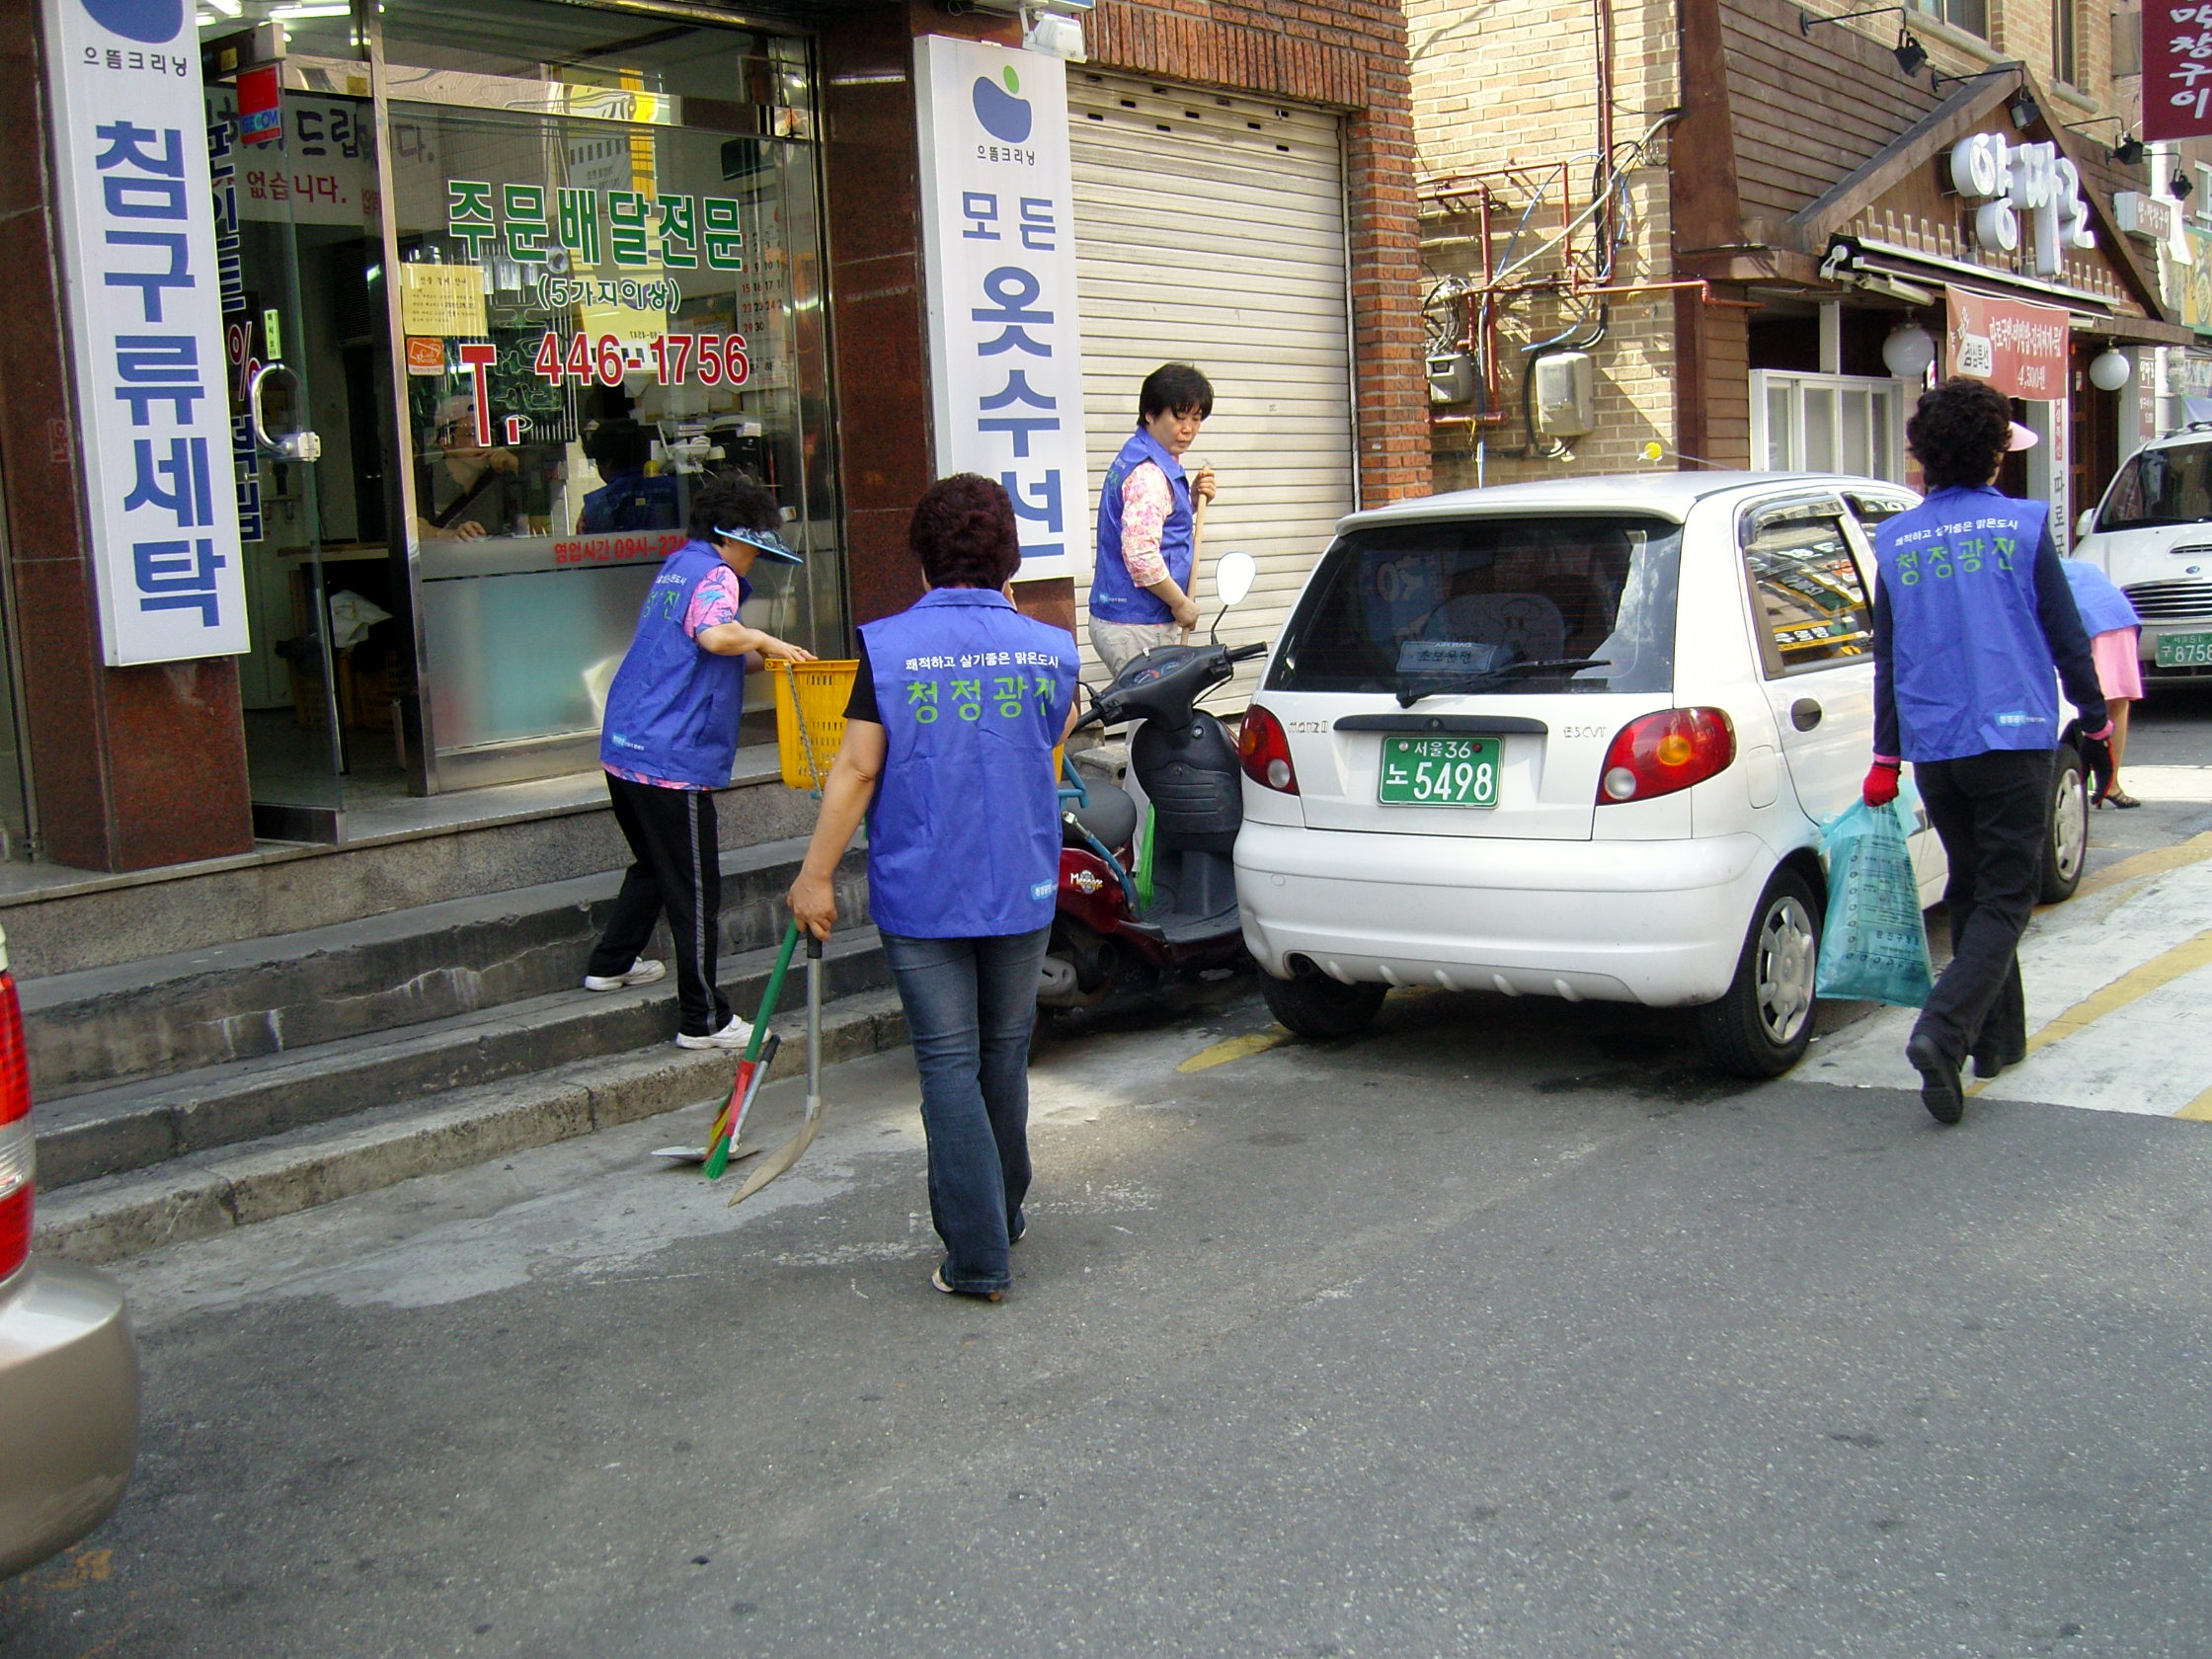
(2117, 987)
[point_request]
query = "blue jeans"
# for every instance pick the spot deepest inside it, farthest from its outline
(971, 1004)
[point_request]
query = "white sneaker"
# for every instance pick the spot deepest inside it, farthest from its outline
(641, 972)
(735, 1035)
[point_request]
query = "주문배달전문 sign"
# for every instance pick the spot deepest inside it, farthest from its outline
(999, 242)
(137, 211)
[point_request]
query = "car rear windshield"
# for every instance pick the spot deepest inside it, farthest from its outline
(1572, 602)
(2168, 486)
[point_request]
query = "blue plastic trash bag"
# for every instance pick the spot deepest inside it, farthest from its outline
(1874, 946)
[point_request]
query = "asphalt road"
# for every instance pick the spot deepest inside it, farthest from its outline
(1503, 1330)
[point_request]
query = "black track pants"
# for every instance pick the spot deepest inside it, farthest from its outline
(1992, 812)
(678, 869)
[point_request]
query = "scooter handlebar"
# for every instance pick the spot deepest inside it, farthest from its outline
(1245, 653)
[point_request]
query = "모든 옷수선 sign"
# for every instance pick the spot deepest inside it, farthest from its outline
(998, 241)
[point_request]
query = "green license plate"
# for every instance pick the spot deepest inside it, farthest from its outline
(1439, 772)
(2185, 651)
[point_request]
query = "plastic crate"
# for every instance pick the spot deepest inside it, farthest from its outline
(816, 693)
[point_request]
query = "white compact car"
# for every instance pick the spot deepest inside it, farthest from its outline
(2152, 534)
(1576, 740)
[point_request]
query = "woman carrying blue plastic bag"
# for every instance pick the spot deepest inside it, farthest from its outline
(1971, 613)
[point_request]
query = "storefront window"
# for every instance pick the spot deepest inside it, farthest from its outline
(1969, 15)
(608, 289)
(1827, 423)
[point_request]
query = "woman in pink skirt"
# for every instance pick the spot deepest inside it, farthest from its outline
(2115, 632)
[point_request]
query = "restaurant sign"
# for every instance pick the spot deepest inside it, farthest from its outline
(2177, 70)
(2009, 181)
(2017, 348)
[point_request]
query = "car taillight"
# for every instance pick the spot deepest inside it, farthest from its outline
(16, 1157)
(1666, 752)
(1263, 747)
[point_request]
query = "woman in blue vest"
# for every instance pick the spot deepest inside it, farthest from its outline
(668, 742)
(1971, 613)
(956, 709)
(1140, 595)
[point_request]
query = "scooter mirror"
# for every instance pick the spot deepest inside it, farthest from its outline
(1232, 576)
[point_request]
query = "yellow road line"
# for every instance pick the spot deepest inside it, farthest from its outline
(2155, 862)
(2198, 1110)
(1236, 1047)
(2131, 987)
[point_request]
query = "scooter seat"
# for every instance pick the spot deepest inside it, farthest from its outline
(1110, 815)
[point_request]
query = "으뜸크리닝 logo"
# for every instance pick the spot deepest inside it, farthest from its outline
(153, 21)
(1005, 115)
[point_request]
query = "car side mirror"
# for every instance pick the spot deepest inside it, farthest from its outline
(2086, 526)
(1232, 576)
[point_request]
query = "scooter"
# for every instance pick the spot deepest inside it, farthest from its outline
(1107, 942)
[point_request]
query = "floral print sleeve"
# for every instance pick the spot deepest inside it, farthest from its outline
(713, 602)
(1147, 500)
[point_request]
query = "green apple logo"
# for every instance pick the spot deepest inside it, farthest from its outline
(1005, 115)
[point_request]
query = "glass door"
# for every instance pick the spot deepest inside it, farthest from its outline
(607, 288)
(298, 211)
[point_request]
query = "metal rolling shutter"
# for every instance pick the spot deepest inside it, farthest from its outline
(1210, 229)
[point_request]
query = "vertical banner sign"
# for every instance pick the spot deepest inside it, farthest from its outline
(137, 219)
(2019, 349)
(2177, 70)
(999, 244)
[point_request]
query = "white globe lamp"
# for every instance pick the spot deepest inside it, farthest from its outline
(1908, 351)
(2110, 369)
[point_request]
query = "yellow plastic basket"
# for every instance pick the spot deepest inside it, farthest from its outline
(811, 697)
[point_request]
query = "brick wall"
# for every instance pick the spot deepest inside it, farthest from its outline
(1349, 57)
(2023, 29)
(1506, 99)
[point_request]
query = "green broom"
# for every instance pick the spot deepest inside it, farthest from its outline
(726, 1127)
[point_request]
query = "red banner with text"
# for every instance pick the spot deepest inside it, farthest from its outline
(2177, 70)
(2019, 349)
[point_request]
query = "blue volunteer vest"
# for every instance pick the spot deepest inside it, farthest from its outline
(964, 831)
(1969, 667)
(1113, 596)
(672, 709)
(2104, 607)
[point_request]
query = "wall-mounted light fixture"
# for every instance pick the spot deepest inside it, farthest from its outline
(1908, 351)
(2024, 110)
(2109, 370)
(2127, 149)
(1911, 55)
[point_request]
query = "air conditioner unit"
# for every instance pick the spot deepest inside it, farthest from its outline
(1566, 394)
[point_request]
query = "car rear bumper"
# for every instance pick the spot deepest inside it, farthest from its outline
(69, 1403)
(1658, 923)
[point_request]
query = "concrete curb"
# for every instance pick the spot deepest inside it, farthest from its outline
(203, 1194)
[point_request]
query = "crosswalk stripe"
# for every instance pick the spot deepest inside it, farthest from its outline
(2131, 987)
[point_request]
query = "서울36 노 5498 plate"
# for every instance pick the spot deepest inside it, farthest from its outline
(1439, 772)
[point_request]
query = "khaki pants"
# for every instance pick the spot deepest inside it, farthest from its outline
(1120, 642)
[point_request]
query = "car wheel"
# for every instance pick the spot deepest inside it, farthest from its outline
(1316, 1006)
(2066, 851)
(1760, 1026)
